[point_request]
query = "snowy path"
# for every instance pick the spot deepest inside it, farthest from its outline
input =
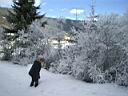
(14, 81)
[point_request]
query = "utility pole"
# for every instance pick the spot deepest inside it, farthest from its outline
(92, 14)
(76, 15)
(92, 17)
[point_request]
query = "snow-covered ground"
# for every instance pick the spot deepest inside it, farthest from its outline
(14, 81)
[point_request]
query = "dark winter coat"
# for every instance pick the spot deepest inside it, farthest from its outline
(35, 70)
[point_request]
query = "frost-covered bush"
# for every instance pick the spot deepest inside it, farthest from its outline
(97, 53)
(122, 73)
(28, 43)
(96, 75)
(23, 56)
(1, 32)
(57, 64)
(122, 67)
(34, 42)
(60, 67)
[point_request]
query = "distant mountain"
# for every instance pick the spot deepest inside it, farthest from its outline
(3, 13)
(63, 24)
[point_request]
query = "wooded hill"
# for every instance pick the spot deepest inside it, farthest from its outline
(65, 24)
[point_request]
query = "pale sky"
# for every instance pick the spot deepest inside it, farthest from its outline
(67, 8)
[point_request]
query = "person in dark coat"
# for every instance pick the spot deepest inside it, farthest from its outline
(35, 71)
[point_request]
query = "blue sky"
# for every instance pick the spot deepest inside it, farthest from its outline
(67, 8)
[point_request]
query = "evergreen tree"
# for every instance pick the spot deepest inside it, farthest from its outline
(24, 12)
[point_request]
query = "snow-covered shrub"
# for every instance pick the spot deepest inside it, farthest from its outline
(36, 41)
(122, 73)
(23, 56)
(80, 69)
(100, 48)
(122, 67)
(64, 68)
(96, 75)
(29, 44)
(97, 52)
(1, 32)
(5, 46)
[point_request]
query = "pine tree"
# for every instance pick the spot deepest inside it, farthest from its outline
(23, 14)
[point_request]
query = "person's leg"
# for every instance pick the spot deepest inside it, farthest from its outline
(36, 83)
(32, 82)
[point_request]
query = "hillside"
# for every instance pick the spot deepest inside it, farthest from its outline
(3, 13)
(67, 24)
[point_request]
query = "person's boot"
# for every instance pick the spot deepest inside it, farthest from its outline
(32, 83)
(36, 84)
